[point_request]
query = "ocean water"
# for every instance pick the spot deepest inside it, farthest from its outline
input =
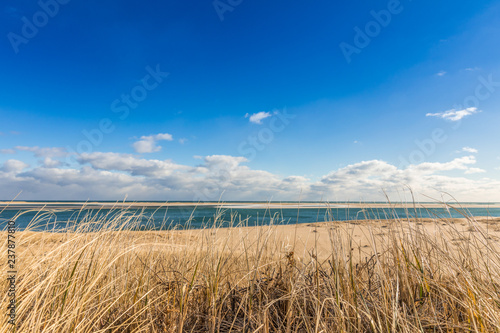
(203, 216)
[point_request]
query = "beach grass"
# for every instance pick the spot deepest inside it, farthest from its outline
(402, 275)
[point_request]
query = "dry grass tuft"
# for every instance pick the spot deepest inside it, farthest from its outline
(99, 276)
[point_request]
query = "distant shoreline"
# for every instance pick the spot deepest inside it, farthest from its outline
(233, 205)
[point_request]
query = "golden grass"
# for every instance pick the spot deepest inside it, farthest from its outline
(400, 277)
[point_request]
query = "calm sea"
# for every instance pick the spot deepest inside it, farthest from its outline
(202, 216)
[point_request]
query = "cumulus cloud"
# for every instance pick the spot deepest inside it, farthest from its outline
(441, 73)
(148, 144)
(129, 163)
(13, 166)
(257, 118)
(112, 176)
(454, 115)
(223, 161)
(51, 163)
(461, 163)
(362, 180)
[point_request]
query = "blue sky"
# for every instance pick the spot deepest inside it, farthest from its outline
(261, 101)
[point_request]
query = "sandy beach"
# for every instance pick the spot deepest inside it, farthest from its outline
(303, 239)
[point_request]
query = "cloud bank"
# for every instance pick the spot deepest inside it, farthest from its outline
(114, 176)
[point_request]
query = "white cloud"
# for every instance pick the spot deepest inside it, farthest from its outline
(364, 179)
(257, 118)
(44, 152)
(468, 150)
(163, 136)
(216, 161)
(456, 164)
(51, 163)
(13, 166)
(474, 170)
(148, 144)
(183, 141)
(454, 115)
(129, 163)
(441, 73)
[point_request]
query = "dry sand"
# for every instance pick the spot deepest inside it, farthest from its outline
(302, 239)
